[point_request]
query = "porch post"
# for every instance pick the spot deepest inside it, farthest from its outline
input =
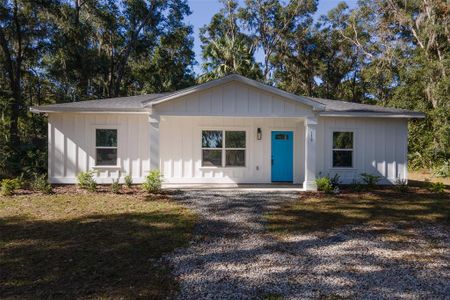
(154, 119)
(310, 154)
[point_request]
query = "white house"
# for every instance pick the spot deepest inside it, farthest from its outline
(226, 131)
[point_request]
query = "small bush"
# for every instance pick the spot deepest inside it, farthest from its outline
(370, 180)
(8, 186)
(443, 170)
(324, 184)
(40, 184)
(128, 181)
(335, 181)
(401, 185)
(436, 187)
(356, 187)
(153, 182)
(115, 186)
(86, 181)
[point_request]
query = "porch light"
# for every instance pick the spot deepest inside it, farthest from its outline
(258, 134)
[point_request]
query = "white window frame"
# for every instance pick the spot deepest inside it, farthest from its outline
(224, 148)
(102, 147)
(338, 149)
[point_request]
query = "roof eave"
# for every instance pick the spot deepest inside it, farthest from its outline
(44, 109)
(408, 115)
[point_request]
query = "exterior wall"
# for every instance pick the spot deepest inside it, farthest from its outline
(181, 158)
(380, 147)
(234, 99)
(71, 144)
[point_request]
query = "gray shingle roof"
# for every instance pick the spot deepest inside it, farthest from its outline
(138, 103)
(124, 104)
(339, 106)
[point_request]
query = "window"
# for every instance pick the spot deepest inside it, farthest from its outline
(282, 136)
(106, 147)
(342, 149)
(223, 148)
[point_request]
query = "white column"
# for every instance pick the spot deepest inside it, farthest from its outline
(154, 120)
(310, 154)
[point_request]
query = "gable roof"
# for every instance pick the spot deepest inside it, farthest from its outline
(238, 78)
(143, 103)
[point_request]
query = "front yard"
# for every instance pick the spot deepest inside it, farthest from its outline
(318, 213)
(76, 244)
(80, 245)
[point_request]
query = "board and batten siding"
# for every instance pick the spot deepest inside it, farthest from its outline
(71, 146)
(234, 99)
(380, 148)
(181, 151)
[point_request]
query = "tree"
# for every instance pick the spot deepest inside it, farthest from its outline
(270, 21)
(74, 50)
(225, 48)
(23, 31)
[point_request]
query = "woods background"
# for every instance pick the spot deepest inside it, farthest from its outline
(385, 52)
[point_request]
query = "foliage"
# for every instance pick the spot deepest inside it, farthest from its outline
(86, 181)
(226, 49)
(436, 187)
(324, 184)
(328, 184)
(40, 184)
(443, 170)
(356, 187)
(9, 186)
(115, 186)
(401, 185)
(335, 180)
(153, 182)
(128, 181)
(62, 51)
(369, 179)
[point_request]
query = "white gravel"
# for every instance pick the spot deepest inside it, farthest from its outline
(232, 257)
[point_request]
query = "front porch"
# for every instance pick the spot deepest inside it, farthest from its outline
(255, 187)
(181, 153)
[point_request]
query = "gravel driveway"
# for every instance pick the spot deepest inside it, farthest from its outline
(232, 257)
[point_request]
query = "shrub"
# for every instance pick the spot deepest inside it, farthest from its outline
(436, 187)
(401, 185)
(335, 181)
(19, 182)
(443, 170)
(153, 182)
(324, 184)
(115, 186)
(128, 181)
(8, 186)
(40, 184)
(370, 180)
(356, 187)
(86, 181)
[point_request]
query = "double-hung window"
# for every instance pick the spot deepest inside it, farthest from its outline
(223, 148)
(343, 149)
(106, 147)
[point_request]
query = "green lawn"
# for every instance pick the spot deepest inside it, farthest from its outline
(317, 213)
(89, 245)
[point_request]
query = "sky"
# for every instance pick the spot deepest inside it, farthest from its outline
(203, 10)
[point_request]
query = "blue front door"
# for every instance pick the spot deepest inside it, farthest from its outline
(282, 156)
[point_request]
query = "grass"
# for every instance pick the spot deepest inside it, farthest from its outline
(89, 245)
(316, 213)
